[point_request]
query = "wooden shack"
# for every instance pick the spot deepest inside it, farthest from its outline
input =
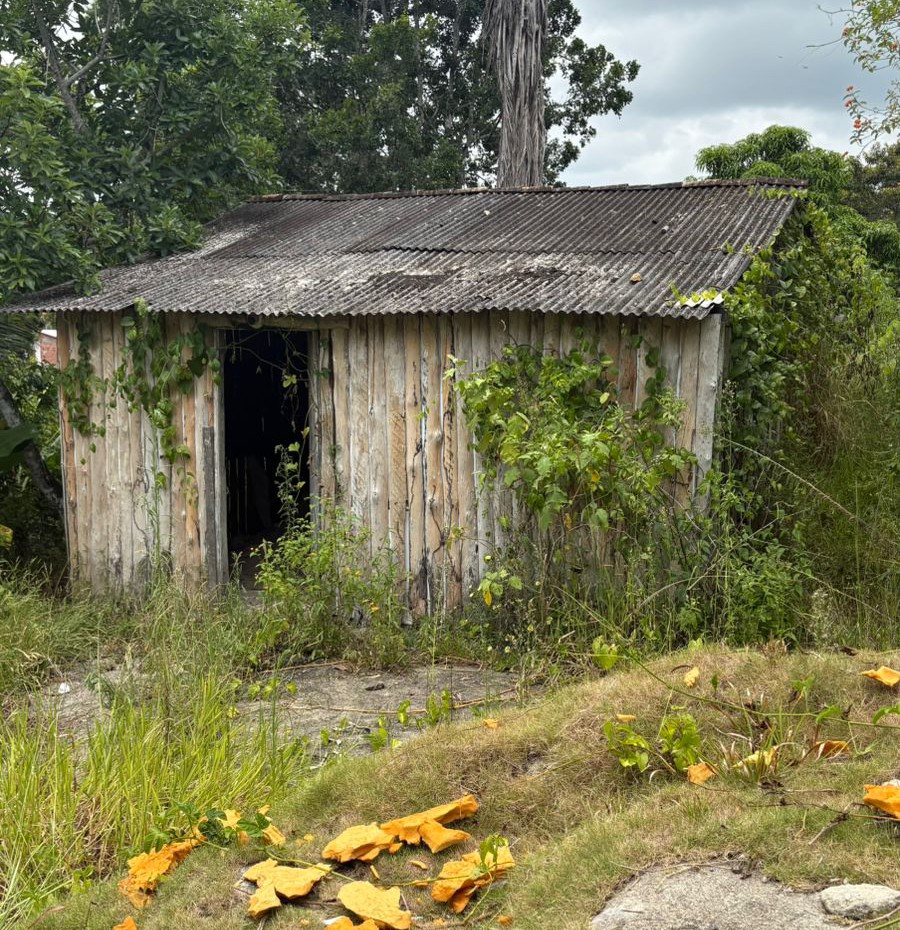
(371, 296)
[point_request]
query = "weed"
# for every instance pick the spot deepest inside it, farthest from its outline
(328, 594)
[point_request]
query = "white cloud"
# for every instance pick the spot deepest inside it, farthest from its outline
(712, 72)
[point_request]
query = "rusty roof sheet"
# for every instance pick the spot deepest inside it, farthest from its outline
(615, 250)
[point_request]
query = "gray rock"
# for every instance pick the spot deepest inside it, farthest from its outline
(859, 902)
(710, 897)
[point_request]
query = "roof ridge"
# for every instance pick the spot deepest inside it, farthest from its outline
(463, 191)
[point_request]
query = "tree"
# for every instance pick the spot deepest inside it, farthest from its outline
(872, 35)
(398, 95)
(514, 30)
(128, 123)
(123, 125)
(839, 183)
(875, 190)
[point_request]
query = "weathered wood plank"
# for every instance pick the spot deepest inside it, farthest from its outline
(65, 336)
(502, 499)
(359, 471)
(670, 361)
(395, 402)
(209, 510)
(536, 330)
(709, 374)
(378, 434)
(569, 324)
(451, 595)
(124, 480)
(320, 347)
(97, 467)
(340, 360)
(416, 557)
(520, 327)
(608, 339)
(193, 563)
(650, 330)
(690, 360)
(627, 366)
(552, 325)
(221, 492)
(480, 358)
(434, 485)
(316, 440)
(466, 490)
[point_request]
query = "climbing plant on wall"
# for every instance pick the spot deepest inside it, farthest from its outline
(157, 367)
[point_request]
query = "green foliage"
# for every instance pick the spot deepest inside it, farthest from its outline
(605, 656)
(677, 743)
(875, 192)
(851, 190)
(37, 538)
(327, 594)
(679, 740)
(400, 98)
(157, 367)
(379, 737)
(489, 852)
(552, 430)
(128, 126)
(438, 709)
(629, 747)
(810, 428)
(872, 36)
(783, 152)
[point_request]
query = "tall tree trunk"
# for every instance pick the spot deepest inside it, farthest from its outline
(40, 474)
(515, 30)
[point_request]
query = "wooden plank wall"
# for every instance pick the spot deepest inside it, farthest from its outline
(398, 451)
(118, 519)
(388, 440)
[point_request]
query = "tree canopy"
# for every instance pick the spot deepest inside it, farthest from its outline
(127, 123)
(872, 35)
(400, 96)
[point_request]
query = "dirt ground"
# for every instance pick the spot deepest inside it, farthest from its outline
(344, 703)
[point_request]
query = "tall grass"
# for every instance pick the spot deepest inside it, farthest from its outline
(72, 807)
(74, 803)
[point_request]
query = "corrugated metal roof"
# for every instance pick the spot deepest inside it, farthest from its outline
(614, 250)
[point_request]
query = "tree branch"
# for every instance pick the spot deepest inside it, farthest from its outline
(56, 70)
(101, 54)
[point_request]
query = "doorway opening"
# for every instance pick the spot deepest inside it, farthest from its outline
(266, 399)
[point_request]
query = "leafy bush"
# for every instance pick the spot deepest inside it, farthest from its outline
(327, 594)
(799, 537)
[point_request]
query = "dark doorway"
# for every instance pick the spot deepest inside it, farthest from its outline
(266, 395)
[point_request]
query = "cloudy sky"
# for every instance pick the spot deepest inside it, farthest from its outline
(713, 71)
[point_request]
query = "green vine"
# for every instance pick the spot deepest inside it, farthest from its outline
(155, 369)
(808, 303)
(80, 384)
(553, 430)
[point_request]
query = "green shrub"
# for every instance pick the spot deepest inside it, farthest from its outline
(327, 594)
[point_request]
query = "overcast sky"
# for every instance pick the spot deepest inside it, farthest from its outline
(713, 71)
